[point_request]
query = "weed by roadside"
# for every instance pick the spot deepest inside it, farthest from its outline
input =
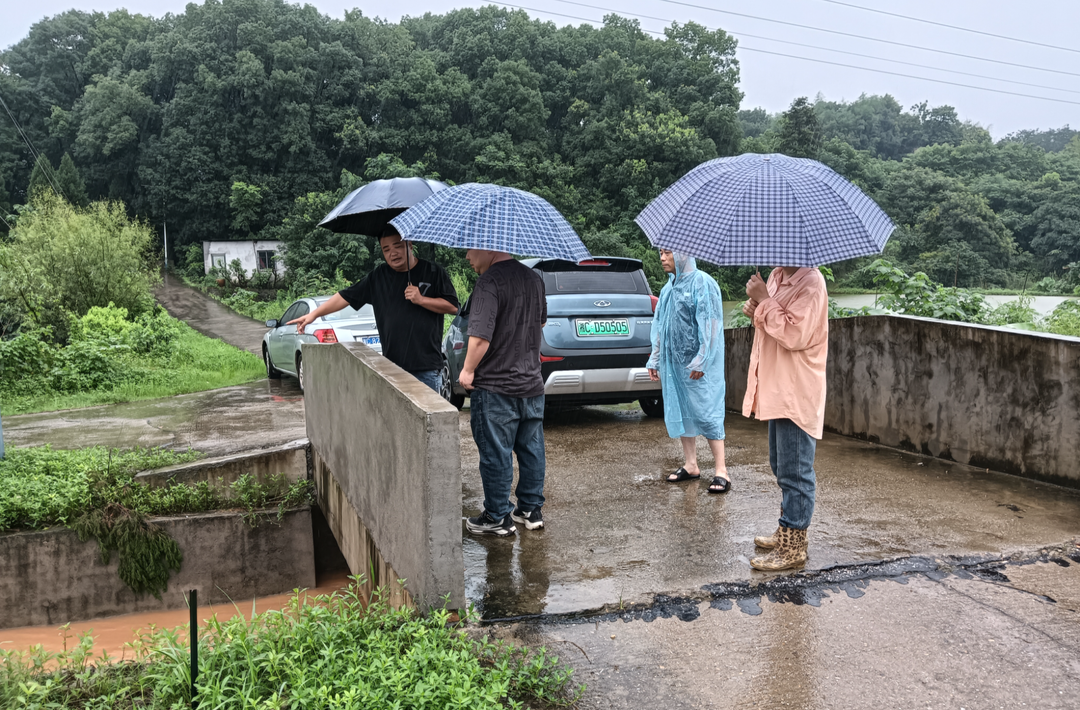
(330, 652)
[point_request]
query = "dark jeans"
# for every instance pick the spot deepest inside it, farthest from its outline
(430, 378)
(503, 425)
(791, 456)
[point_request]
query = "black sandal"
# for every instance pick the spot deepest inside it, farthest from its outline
(720, 481)
(681, 475)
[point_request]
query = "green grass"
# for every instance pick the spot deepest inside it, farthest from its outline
(198, 363)
(330, 652)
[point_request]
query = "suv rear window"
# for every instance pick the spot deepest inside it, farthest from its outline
(595, 282)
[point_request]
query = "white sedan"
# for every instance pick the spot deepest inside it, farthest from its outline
(281, 344)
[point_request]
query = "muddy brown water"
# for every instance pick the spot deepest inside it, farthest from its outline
(114, 634)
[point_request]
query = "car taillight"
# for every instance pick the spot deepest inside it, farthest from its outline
(325, 335)
(545, 358)
(458, 345)
(654, 300)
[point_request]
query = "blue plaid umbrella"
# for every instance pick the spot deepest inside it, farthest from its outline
(479, 216)
(766, 209)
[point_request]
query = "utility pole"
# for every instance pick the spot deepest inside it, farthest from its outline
(165, 232)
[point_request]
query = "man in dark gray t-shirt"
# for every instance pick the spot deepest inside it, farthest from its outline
(507, 312)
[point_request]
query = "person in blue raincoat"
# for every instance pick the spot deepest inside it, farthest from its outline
(688, 360)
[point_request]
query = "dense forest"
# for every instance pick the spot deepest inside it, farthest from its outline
(250, 118)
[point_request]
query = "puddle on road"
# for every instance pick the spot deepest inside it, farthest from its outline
(512, 578)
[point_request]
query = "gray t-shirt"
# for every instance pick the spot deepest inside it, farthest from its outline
(508, 309)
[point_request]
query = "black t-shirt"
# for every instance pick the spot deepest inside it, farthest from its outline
(410, 334)
(508, 309)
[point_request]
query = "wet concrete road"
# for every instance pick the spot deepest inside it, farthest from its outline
(215, 422)
(911, 641)
(616, 533)
(930, 585)
(209, 317)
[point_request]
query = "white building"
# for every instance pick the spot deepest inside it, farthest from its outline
(254, 255)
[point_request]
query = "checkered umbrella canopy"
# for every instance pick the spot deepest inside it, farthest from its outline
(766, 209)
(480, 216)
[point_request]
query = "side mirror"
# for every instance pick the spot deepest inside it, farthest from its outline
(272, 323)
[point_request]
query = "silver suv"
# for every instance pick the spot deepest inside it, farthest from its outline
(596, 341)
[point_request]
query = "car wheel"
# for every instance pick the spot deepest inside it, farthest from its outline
(300, 371)
(652, 406)
(446, 387)
(271, 371)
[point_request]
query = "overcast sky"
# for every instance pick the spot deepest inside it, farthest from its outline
(773, 81)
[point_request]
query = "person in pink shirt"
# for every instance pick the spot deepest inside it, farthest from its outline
(786, 386)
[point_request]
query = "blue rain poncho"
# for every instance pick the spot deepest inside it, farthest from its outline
(688, 335)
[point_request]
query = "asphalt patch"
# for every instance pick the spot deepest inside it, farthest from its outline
(809, 588)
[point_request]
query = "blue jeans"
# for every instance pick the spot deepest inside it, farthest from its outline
(430, 378)
(791, 456)
(501, 425)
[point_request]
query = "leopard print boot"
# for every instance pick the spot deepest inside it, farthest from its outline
(790, 551)
(768, 542)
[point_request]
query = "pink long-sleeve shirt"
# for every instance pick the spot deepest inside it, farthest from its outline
(791, 342)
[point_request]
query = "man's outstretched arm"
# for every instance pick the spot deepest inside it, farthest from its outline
(335, 304)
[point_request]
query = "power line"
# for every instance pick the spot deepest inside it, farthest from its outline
(920, 78)
(820, 61)
(951, 27)
(46, 167)
(837, 51)
(870, 39)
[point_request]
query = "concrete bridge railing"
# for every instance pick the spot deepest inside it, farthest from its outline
(387, 464)
(996, 398)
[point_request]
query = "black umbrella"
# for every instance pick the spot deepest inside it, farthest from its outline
(368, 209)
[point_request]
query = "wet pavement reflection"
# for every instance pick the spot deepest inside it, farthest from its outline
(216, 422)
(617, 535)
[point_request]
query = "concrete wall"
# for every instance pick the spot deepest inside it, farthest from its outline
(392, 447)
(245, 251)
(50, 577)
(290, 459)
(996, 398)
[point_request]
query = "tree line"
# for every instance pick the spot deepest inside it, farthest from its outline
(252, 118)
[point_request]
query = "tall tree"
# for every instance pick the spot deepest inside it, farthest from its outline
(71, 183)
(800, 130)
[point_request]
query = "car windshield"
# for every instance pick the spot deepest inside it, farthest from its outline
(349, 313)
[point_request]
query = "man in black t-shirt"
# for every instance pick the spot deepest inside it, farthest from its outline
(410, 297)
(507, 312)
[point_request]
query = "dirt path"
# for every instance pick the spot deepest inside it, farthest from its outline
(209, 317)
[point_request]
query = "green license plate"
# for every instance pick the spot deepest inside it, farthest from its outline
(606, 326)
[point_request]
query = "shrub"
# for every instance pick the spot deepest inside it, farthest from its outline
(191, 261)
(108, 324)
(27, 355)
(918, 296)
(1010, 312)
(1048, 284)
(1065, 319)
(89, 365)
(64, 259)
(155, 334)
